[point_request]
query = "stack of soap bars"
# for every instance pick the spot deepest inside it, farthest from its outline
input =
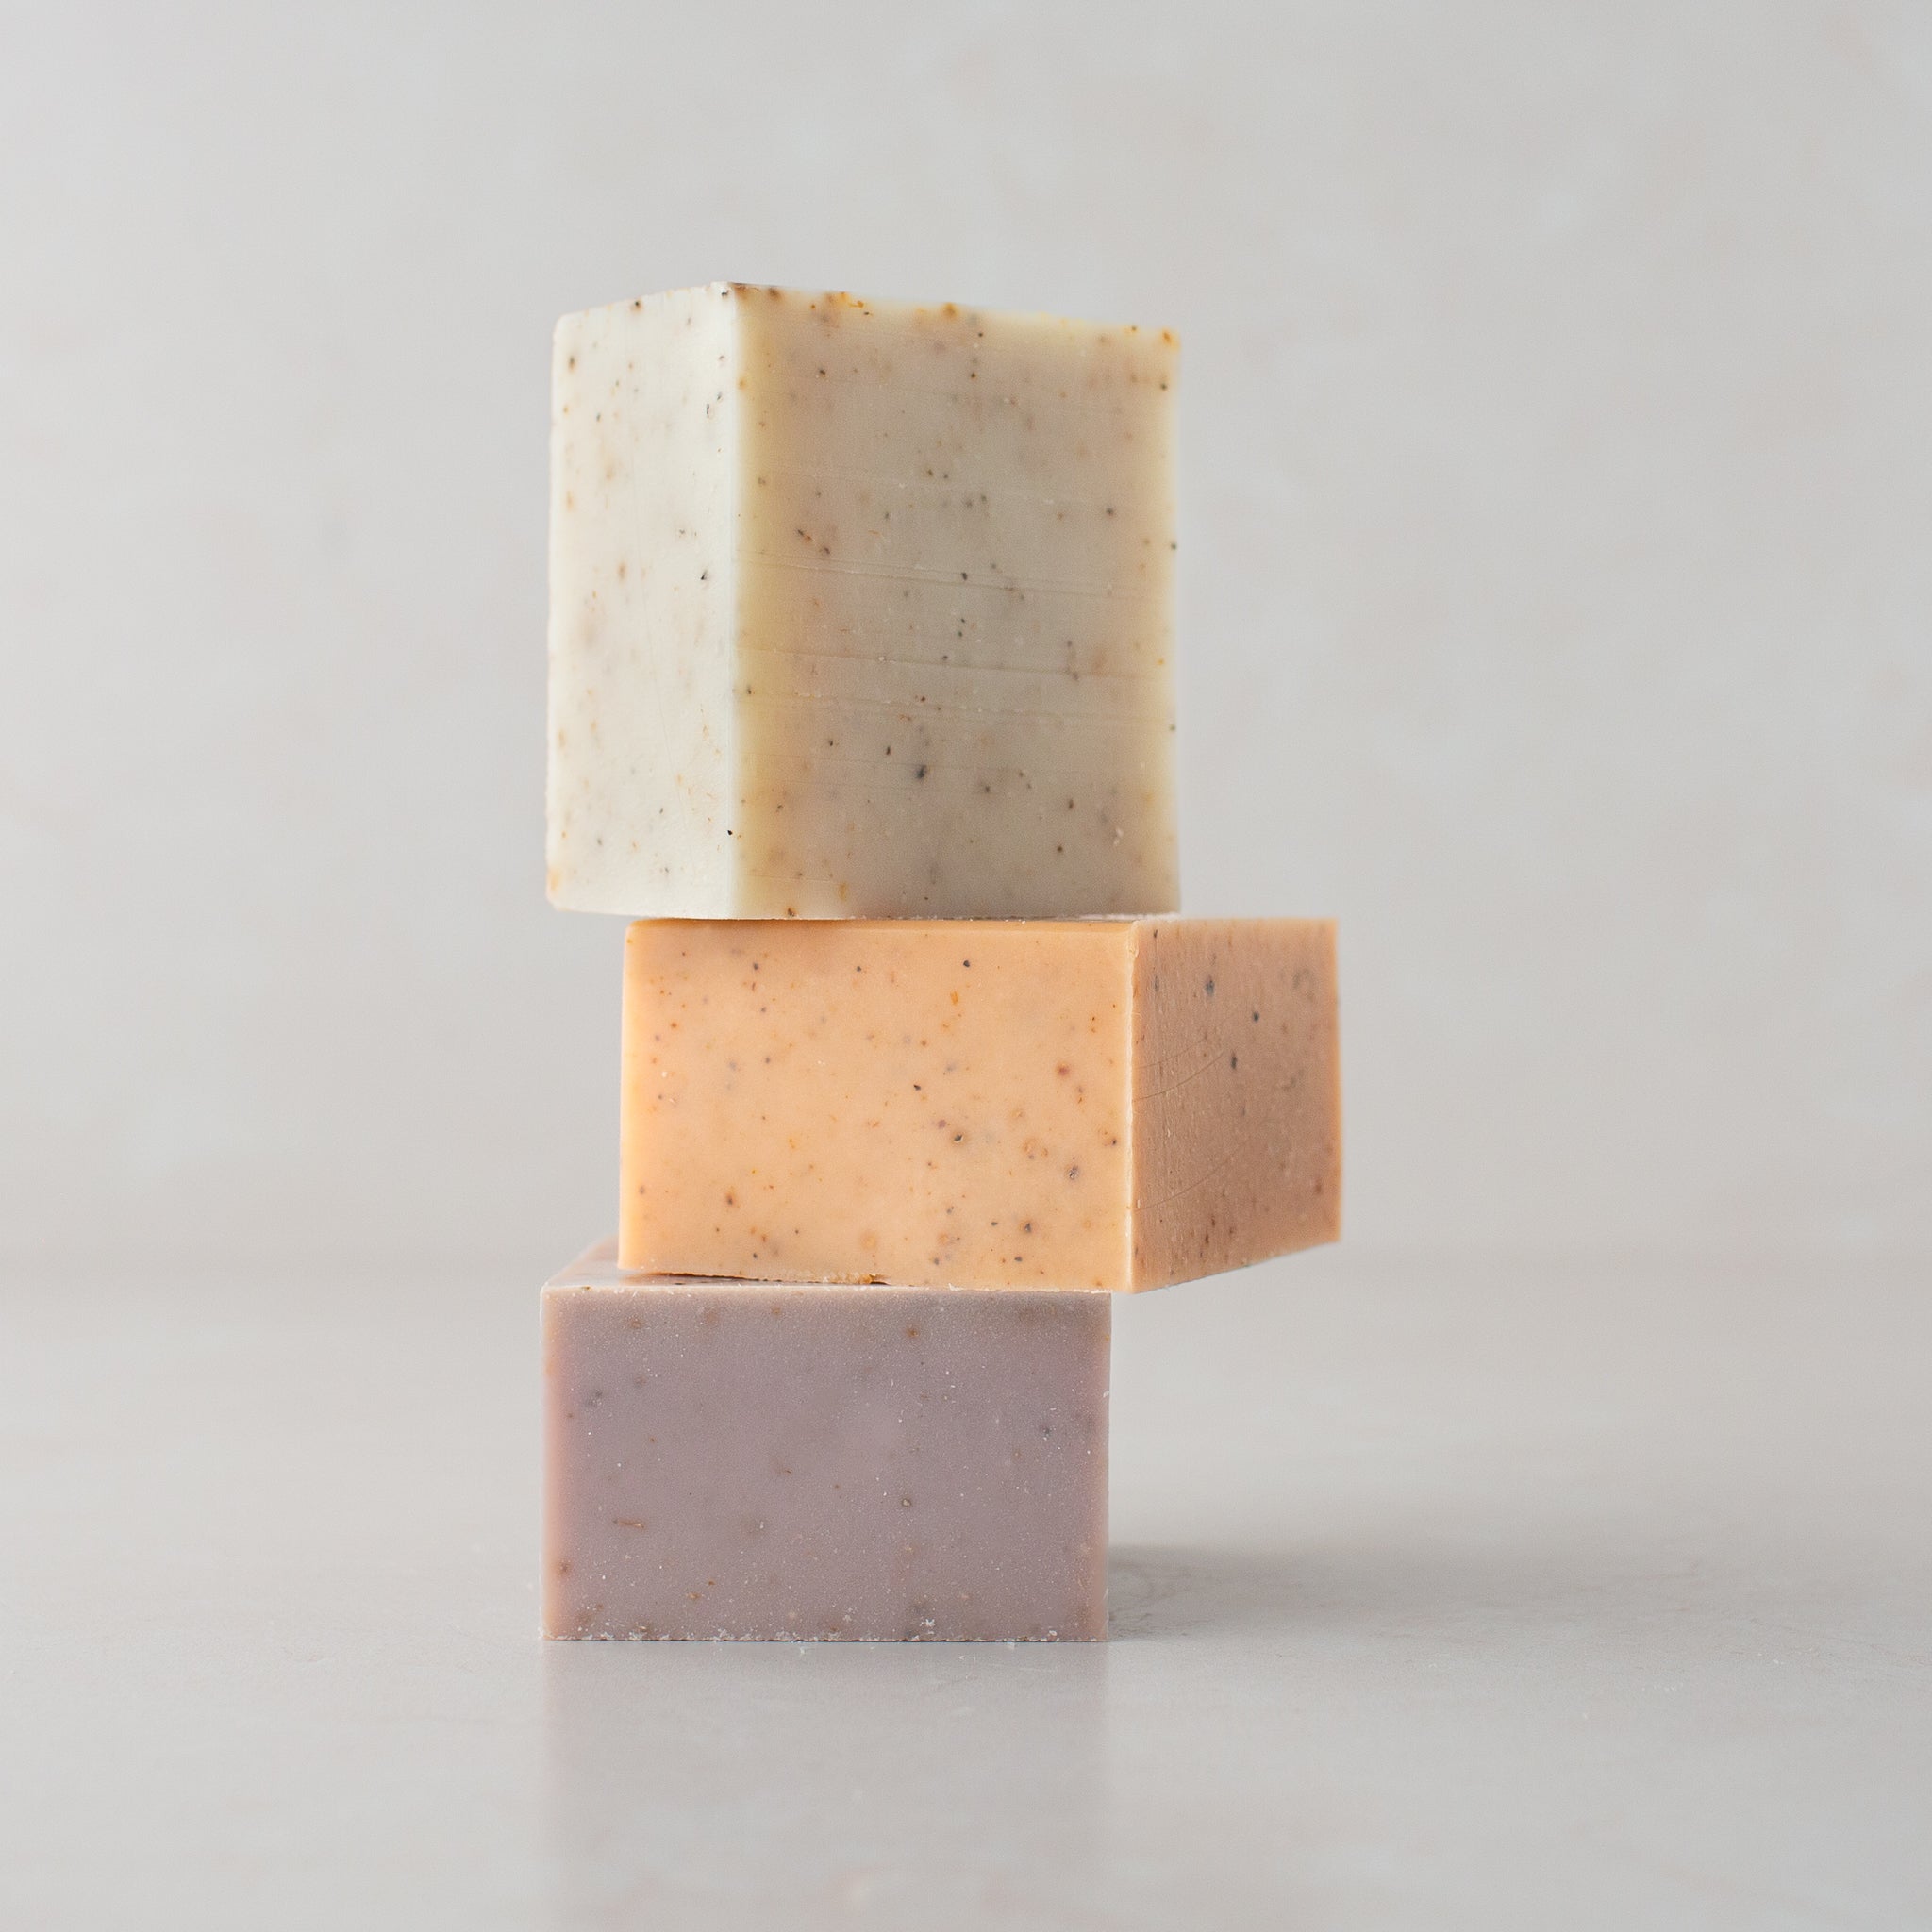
(862, 707)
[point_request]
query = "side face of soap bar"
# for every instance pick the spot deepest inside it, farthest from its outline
(1088, 1103)
(924, 1101)
(751, 1460)
(643, 470)
(1236, 1093)
(859, 608)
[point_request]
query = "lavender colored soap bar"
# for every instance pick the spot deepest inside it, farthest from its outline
(758, 1460)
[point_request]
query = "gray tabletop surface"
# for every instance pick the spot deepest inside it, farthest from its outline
(1457, 1594)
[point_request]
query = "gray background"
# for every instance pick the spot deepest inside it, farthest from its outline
(1555, 405)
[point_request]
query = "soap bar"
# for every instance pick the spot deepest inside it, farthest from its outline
(859, 608)
(1111, 1103)
(757, 1460)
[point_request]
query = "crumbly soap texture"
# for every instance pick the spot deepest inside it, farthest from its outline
(743, 1458)
(1111, 1103)
(859, 610)
(861, 710)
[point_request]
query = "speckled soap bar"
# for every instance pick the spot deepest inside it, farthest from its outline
(1111, 1103)
(753, 1459)
(858, 608)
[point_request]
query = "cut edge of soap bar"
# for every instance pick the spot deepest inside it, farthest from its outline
(638, 740)
(777, 1461)
(768, 701)
(1115, 1104)
(1236, 1128)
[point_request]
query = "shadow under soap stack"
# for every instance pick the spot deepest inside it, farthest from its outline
(861, 707)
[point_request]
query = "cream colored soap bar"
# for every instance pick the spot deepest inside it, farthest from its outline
(1078, 1104)
(859, 610)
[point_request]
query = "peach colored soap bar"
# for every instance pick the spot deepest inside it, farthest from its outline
(1078, 1104)
(752, 1459)
(859, 608)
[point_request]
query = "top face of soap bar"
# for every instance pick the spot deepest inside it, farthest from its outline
(1115, 1104)
(859, 608)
